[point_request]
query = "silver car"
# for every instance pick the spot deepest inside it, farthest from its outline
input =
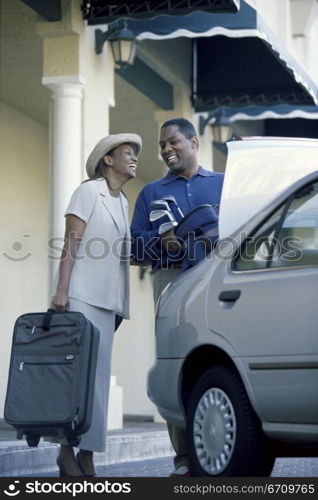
(237, 341)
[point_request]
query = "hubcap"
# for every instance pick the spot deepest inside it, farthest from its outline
(214, 431)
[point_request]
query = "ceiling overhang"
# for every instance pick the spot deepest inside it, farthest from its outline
(149, 83)
(48, 9)
(107, 11)
(237, 60)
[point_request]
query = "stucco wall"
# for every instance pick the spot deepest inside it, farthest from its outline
(304, 42)
(276, 15)
(23, 222)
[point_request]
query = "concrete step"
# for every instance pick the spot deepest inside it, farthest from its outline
(136, 441)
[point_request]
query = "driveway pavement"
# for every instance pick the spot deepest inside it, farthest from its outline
(162, 467)
(140, 449)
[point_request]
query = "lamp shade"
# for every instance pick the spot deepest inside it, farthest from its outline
(123, 45)
(222, 129)
(123, 52)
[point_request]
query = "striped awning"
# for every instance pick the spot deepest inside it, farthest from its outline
(237, 60)
(107, 11)
(249, 113)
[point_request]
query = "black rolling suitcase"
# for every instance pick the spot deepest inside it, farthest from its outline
(52, 376)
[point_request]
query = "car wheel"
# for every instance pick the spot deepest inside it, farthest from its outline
(224, 434)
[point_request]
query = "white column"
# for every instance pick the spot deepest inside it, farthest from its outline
(66, 158)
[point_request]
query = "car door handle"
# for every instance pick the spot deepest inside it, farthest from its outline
(229, 295)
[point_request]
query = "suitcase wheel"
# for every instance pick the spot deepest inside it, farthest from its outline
(32, 440)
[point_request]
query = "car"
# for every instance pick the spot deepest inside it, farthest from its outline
(236, 334)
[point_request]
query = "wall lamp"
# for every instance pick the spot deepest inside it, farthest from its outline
(222, 127)
(123, 44)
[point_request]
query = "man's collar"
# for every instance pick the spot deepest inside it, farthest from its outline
(170, 177)
(205, 173)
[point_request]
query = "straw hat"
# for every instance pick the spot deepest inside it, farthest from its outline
(107, 144)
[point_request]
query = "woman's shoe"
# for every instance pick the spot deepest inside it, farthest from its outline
(80, 465)
(63, 471)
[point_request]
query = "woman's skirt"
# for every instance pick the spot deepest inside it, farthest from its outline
(95, 438)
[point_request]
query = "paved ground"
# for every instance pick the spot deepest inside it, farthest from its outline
(157, 467)
(162, 467)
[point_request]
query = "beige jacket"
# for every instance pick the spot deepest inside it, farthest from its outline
(95, 274)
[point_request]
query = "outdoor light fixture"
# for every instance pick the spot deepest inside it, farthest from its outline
(222, 128)
(123, 44)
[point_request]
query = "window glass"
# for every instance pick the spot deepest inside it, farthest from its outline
(298, 236)
(288, 238)
(255, 252)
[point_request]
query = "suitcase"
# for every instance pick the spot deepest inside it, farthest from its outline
(51, 376)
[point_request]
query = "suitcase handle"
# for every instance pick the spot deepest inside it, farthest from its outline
(47, 319)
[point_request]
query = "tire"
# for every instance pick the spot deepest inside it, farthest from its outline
(223, 432)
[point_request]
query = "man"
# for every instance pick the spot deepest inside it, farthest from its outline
(190, 185)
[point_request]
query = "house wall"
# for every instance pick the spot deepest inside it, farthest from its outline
(23, 223)
(276, 15)
(304, 40)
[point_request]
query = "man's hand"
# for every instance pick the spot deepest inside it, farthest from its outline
(170, 241)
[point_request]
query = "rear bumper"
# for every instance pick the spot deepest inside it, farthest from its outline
(163, 389)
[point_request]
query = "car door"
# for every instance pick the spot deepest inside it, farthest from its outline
(264, 301)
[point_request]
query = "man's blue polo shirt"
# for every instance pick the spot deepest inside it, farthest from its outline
(204, 187)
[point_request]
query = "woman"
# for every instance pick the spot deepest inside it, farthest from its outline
(94, 273)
